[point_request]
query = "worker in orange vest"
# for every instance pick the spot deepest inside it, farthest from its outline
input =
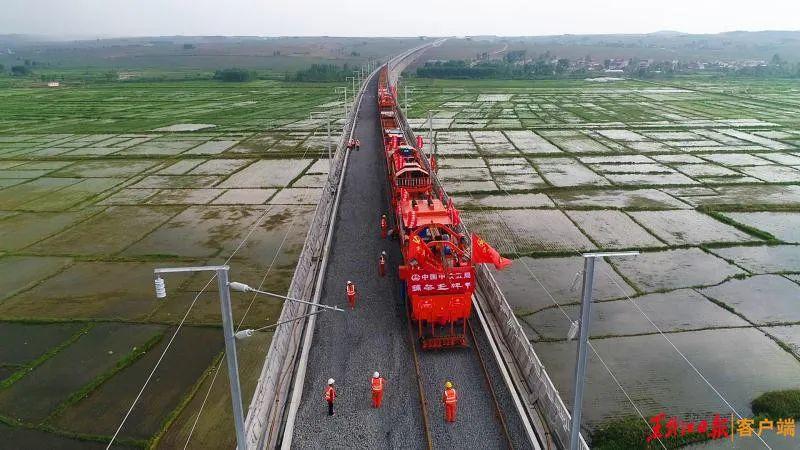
(382, 264)
(330, 395)
(450, 400)
(384, 225)
(351, 294)
(377, 389)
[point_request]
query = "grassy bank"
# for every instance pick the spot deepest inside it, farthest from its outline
(630, 433)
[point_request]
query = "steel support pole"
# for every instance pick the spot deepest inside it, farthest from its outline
(583, 346)
(330, 158)
(230, 355)
(430, 132)
(405, 94)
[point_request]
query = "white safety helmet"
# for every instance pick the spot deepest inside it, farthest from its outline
(376, 375)
(349, 282)
(330, 381)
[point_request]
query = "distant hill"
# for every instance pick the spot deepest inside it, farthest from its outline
(196, 52)
(294, 53)
(661, 45)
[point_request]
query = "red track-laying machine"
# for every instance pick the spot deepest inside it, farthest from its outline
(438, 270)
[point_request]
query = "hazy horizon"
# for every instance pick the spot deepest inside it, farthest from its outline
(90, 19)
(68, 37)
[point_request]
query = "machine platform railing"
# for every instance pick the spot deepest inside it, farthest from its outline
(414, 182)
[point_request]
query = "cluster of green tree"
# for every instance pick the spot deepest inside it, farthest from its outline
(787, 71)
(21, 70)
(501, 70)
(775, 68)
(234, 74)
(514, 66)
(321, 73)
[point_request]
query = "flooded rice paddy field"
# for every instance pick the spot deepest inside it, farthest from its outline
(90, 206)
(705, 184)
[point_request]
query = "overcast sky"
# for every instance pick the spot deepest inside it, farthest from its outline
(103, 18)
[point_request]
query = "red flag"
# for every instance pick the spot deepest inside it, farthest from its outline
(412, 219)
(484, 253)
(456, 217)
(417, 249)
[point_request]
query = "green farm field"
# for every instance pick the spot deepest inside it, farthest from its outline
(100, 183)
(702, 176)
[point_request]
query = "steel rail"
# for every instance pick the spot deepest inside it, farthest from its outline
(498, 412)
(423, 402)
(508, 372)
(515, 371)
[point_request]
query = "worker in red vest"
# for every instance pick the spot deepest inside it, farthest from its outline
(382, 264)
(330, 395)
(351, 294)
(450, 400)
(350, 144)
(384, 225)
(377, 389)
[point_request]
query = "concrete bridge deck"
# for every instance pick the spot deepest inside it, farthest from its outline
(350, 346)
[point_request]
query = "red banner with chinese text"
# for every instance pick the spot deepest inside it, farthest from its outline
(456, 280)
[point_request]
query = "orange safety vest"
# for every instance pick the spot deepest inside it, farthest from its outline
(330, 394)
(377, 384)
(351, 289)
(383, 222)
(450, 396)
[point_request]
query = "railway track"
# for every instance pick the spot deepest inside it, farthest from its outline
(424, 406)
(497, 410)
(344, 346)
(412, 342)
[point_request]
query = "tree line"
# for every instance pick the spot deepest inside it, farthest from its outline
(514, 66)
(321, 73)
(500, 70)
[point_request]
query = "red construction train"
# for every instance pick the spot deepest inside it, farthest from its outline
(438, 271)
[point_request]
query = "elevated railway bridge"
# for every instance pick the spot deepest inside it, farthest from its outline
(506, 399)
